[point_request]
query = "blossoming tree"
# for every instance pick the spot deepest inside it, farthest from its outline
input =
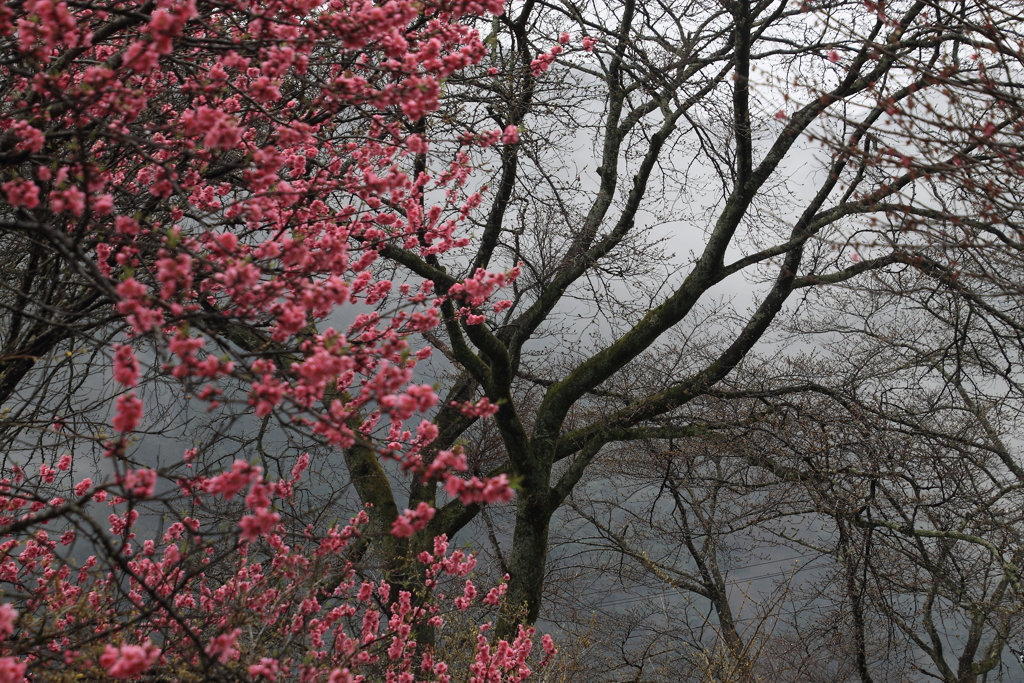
(192, 189)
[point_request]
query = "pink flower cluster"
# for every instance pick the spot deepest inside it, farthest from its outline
(11, 670)
(477, 288)
(127, 661)
(126, 366)
(8, 615)
(310, 255)
(303, 592)
(411, 521)
(481, 491)
(128, 414)
(139, 483)
(506, 660)
(482, 408)
(543, 61)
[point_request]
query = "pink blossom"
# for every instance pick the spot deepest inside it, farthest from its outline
(468, 593)
(134, 305)
(72, 200)
(482, 408)
(411, 521)
(126, 366)
(341, 676)
(30, 139)
(493, 596)
(175, 274)
(474, 490)
(129, 660)
(103, 253)
(259, 496)
(259, 524)
(300, 466)
(11, 670)
(103, 204)
(64, 464)
(8, 615)
(139, 483)
(227, 484)
(222, 647)
(446, 460)
(129, 413)
(228, 241)
(541, 64)
(126, 226)
(589, 43)
(82, 486)
(22, 193)
(478, 287)
(427, 431)
(510, 136)
(219, 129)
(267, 668)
